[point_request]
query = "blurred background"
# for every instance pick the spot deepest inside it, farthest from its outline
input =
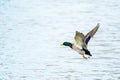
(31, 32)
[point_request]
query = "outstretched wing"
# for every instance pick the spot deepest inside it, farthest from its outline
(79, 39)
(91, 34)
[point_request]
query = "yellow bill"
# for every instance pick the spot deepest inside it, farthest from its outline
(61, 45)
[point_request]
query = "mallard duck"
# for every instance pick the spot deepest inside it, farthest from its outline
(81, 42)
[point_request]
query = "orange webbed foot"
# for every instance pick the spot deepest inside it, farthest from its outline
(84, 56)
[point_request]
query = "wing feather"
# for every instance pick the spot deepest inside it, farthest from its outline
(79, 39)
(91, 33)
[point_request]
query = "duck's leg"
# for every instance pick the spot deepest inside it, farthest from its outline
(84, 56)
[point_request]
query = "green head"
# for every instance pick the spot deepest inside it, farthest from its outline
(67, 44)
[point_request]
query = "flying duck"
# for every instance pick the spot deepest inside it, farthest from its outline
(81, 41)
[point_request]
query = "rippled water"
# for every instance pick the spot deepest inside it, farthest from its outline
(31, 31)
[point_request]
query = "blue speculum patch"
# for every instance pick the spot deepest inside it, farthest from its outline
(87, 40)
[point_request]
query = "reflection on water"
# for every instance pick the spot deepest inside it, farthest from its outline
(31, 31)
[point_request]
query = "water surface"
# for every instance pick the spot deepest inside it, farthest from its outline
(31, 31)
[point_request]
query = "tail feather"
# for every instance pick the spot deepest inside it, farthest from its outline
(87, 52)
